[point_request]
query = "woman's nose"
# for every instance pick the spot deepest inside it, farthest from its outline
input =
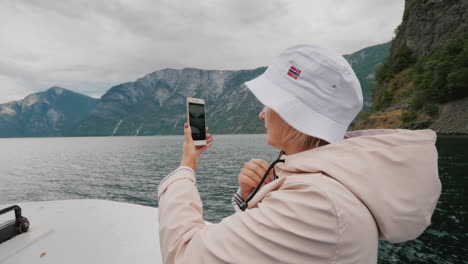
(262, 115)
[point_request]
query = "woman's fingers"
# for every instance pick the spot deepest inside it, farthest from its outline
(249, 182)
(244, 179)
(189, 156)
(259, 170)
(209, 139)
(251, 174)
(200, 149)
(250, 177)
(261, 163)
(188, 133)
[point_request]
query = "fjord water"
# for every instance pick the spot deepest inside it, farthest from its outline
(129, 169)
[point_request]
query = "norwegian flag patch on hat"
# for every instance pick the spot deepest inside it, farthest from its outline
(294, 72)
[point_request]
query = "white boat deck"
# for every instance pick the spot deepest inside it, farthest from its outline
(84, 231)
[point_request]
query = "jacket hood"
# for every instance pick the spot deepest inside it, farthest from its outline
(393, 173)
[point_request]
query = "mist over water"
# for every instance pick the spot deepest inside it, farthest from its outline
(129, 169)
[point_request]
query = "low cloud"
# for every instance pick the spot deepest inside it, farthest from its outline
(12, 89)
(88, 46)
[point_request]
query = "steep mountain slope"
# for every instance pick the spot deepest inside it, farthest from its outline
(155, 104)
(44, 114)
(364, 63)
(426, 71)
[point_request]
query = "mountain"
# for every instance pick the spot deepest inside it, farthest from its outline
(424, 81)
(44, 114)
(364, 63)
(155, 104)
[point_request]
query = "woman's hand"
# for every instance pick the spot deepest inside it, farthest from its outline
(250, 176)
(191, 152)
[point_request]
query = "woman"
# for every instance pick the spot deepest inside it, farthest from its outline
(333, 194)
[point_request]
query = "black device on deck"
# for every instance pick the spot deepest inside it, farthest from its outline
(12, 228)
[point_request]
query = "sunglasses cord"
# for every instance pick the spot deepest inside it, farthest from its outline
(245, 204)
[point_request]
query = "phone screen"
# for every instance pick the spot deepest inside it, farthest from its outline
(197, 121)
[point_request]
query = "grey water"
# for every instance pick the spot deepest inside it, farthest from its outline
(129, 169)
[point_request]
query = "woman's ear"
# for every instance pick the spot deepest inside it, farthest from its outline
(261, 116)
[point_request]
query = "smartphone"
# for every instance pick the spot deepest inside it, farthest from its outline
(196, 120)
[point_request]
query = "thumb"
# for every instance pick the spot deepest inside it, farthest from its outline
(188, 132)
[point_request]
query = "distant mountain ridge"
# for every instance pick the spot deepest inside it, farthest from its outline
(155, 103)
(44, 114)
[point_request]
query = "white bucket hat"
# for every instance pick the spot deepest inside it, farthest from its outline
(314, 89)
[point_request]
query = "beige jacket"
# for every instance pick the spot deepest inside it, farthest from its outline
(329, 205)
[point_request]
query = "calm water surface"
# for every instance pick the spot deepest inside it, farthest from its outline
(129, 169)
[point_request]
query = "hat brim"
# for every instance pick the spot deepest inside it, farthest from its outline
(295, 112)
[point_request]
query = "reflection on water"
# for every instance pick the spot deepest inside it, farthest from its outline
(130, 168)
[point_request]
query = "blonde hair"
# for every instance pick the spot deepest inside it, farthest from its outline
(310, 142)
(307, 142)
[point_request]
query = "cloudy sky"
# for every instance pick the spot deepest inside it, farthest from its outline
(90, 45)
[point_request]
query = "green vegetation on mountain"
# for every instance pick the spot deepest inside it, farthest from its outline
(442, 76)
(364, 63)
(426, 71)
(438, 78)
